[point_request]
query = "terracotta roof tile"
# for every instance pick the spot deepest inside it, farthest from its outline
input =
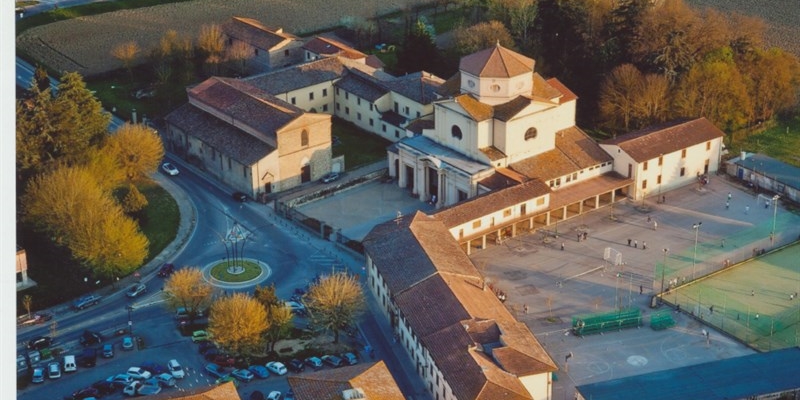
(574, 151)
(669, 137)
(419, 124)
(493, 153)
(228, 140)
(499, 181)
(254, 33)
(416, 305)
(226, 391)
(476, 110)
(419, 86)
(467, 211)
(329, 47)
(510, 109)
(361, 85)
(563, 91)
(374, 379)
(496, 61)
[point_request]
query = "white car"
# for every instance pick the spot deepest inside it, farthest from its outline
(175, 369)
(276, 367)
(170, 169)
(54, 370)
(139, 373)
(165, 380)
(132, 389)
(274, 395)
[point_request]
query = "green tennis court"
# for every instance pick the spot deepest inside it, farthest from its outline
(755, 301)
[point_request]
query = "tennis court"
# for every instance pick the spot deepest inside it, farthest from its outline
(754, 301)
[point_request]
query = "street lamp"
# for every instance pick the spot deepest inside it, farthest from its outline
(130, 321)
(774, 216)
(696, 228)
(663, 270)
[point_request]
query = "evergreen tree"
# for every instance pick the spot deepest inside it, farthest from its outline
(419, 52)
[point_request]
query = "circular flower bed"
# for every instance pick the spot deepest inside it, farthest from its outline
(251, 271)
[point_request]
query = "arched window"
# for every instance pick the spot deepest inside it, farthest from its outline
(304, 138)
(530, 134)
(456, 132)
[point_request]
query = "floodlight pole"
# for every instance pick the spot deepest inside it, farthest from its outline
(663, 270)
(696, 228)
(774, 216)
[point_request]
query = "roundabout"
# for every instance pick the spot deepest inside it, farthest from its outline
(238, 274)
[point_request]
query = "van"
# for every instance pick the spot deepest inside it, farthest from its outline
(69, 364)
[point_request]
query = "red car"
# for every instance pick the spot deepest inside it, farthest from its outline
(166, 270)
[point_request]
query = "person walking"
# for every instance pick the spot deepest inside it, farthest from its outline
(644, 245)
(636, 244)
(729, 196)
(629, 242)
(728, 205)
(655, 225)
(562, 246)
(746, 209)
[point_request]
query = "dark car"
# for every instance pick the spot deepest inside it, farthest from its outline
(330, 177)
(104, 388)
(85, 393)
(332, 361)
(296, 365)
(40, 342)
(166, 270)
(153, 368)
(350, 358)
(88, 357)
(257, 395)
(91, 338)
(206, 346)
(239, 196)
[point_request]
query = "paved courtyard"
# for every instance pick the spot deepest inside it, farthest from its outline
(557, 284)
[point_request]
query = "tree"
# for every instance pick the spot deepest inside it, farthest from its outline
(134, 200)
(137, 150)
(279, 316)
(774, 82)
(238, 54)
(126, 53)
(335, 302)
(34, 133)
(78, 118)
(237, 322)
(419, 52)
(27, 302)
(474, 38)
(617, 97)
(41, 79)
(519, 15)
(210, 40)
(188, 289)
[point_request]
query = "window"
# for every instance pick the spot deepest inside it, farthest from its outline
(569, 178)
(256, 52)
(324, 107)
(337, 90)
(660, 160)
(495, 88)
(311, 96)
(418, 114)
(396, 107)
(708, 145)
(523, 209)
(460, 233)
(683, 153)
(358, 116)
(405, 110)
(294, 100)
(540, 201)
(324, 92)
(456, 132)
(338, 107)
(531, 134)
(346, 95)
(383, 127)
(683, 171)
(658, 180)
(644, 167)
(476, 224)
(244, 171)
(347, 110)
(371, 122)
(462, 195)
(229, 163)
(575, 176)
(358, 101)
(396, 133)
(644, 184)
(507, 212)
(286, 53)
(304, 138)
(371, 106)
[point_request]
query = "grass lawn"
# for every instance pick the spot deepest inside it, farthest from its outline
(780, 141)
(358, 147)
(61, 279)
(251, 271)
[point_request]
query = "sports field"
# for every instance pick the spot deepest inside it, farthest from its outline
(754, 301)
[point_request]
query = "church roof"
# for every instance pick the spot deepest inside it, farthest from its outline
(496, 62)
(653, 141)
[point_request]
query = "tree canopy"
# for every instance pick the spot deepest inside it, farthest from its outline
(335, 302)
(137, 150)
(237, 323)
(279, 316)
(186, 288)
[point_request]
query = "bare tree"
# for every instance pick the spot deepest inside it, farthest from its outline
(210, 40)
(126, 53)
(238, 54)
(617, 97)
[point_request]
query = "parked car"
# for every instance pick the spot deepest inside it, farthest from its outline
(85, 393)
(215, 370)
(165, 380)
(257, 395)
(127, 343)
(149, 387)
(169, 169)
(88, 357)
(153, 367)
(222, 359)
(89, 338)
(132, 389)
(243, 375)
(86, 301)
(34, 319)
(40, 342)
(226, 379)
(350, 358)
(69, 363)
(200, 336)
(119, 380)
(296, 365)
(108, 350)
(175, 369)
(276, 367)
(206, 346)
(166, 270)
(139, 373)
(297, 308)
(274, 395)
(136, 289)
(54, 370)
(239, 196)
(332, 361)
(104, 388)
(211, 353)
(259, 371)
(38, 375)
(314, 362)
(330, 177)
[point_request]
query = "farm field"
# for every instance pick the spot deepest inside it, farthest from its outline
(84, 44)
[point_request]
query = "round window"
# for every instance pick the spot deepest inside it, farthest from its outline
(495, 88)
(471, 83)
(530, 134)
(456, 132)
